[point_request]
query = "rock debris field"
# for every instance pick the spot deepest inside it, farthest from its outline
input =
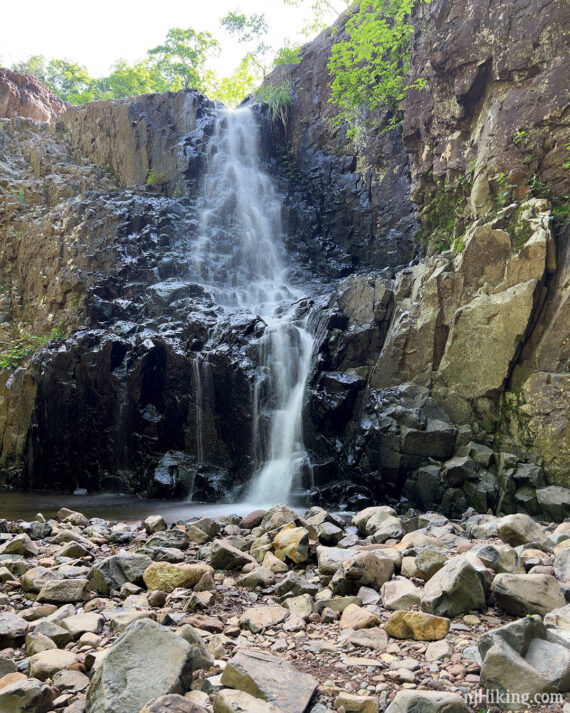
(283, 612)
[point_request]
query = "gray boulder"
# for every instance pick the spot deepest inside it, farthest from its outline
(455, 589)
(521, 594)
(147, 661)
(554, 502)
(427, 702)
(113, 572)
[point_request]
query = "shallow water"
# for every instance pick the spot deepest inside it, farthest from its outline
(19, 505)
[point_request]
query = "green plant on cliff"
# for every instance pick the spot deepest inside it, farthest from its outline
(155, 179)
(14, 352)
(279, 98)
(370, 70)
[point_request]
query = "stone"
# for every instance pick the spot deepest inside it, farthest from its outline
(169, 538)
(455, 589)
(64, 590)
(368, 569)
(252, 519)
(79, 624)
(338, 604)
(72, 681)
(20, 545)
(391, 528)
(522, 594)
(26, 696)
(427, 702)
(520, 529)
(559, 617)
(438, 651)
(12, 630)
(121, 619)
(369, 520)
(417, 625)
(201, 656)
(554, 501)
(502, 560)
(113, 572)
(47, 663)
(128, 676)
(273, 564)
(428, 562)
(226, 556)
(295, 585)
(301, 606)
(36, 642)
(352, 703)
(167, 577)
(355, 617)
(229, 701)
(258, 577)
(292, 543)
(172, 703)
(331, 558)
(272, 679)
(374, 638)
(329, 534)
(35, 578)
(276, 517)
(400, 593)
(562, 565)
(257, 619)
(154, 523)
(54, 631)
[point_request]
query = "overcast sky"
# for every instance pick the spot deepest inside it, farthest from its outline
(96, 34)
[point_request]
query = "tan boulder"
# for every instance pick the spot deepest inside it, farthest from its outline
(167, 577)
(355, 617)
(417, 625)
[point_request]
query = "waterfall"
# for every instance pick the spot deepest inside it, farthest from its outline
(239, 259)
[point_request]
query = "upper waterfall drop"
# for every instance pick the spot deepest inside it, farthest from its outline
(239, 258)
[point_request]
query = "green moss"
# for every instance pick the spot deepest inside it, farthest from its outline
(442, 221)
(14, 352)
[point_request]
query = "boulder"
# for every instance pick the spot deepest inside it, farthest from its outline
(520, 529)
(364, 569)
(154, 523)
(369, 520)
(226, 556)
(257, 619)
(169, 538)
(271, 679)
(167, 577)
(88, 622)
(12, 630)
(113, 572)
(522, 594)
(295, 585)
(352, 703)
(49, 662)
(400, 593)
(427, 702)
(554, 502)
(64, 590)
(201, 656)
(292, 543)
(27, 695)
(428, 562)
(147, 661)
(455, 589)
(562, 565)
(355, 617)
(417, 625)
(230, 701)
(172, 703)
(20, 545)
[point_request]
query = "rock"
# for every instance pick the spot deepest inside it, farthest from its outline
(12, 630)
(554, 502)
(455, 589)
(276, 517)
(502, 560)
(521, 594)
(64, 590)
(329, 534)
(331, 558)
(391, 528)
(226, 556)
(273, 564)
(356, 704)
(301, 606)
(427, 702)
(47, 663)
(71, 681)
(368, 569)
(355, 617)
(559, 617)
(369, 520)
(375, 638)
(295, 585)
(36, 642)
(128, 676)
(167, 577)
(428, 562)
(270, 678)
(520, 529)
(229, 701)
(292, 543)
(562, 565)
(201, 656)
(438, 651)
(417, 625)
(258, 577)
(154, 523)
(400, 593)
(113, 572)
(83, 623)
(169, 538)
(20, 545)
(54, 631)
(172, 703)
(338, 604)
(252, 519)
(257, 619)
(26, 696)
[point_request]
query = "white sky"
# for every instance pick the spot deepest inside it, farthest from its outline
(96, 34)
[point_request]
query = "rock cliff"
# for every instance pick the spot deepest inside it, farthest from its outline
(441, 369)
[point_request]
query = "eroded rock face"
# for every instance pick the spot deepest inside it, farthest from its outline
(24, 96)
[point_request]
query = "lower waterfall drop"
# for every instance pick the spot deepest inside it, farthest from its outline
(239, 259)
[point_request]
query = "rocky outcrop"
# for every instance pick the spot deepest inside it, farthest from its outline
(22, 95)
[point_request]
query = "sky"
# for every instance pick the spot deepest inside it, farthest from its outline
(97, 34)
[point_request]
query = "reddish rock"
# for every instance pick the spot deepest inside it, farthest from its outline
(24, 95)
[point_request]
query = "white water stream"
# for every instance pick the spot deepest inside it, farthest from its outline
(239, 258)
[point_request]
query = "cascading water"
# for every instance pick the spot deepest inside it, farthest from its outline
(239, 259)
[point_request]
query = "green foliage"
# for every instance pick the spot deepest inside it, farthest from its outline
(370, 69)
(506, 194)
(241, 82)
(287, 55)
(278, 97)
(155, 179)
(180, 60)
(519, 136)
(14, 352)
(323, 12)
(442, 226)
(244, 28)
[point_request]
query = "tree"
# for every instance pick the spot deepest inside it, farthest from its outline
(250, 30)
(233, 89)
(323, 13)
(34, 65)
(370, 69)
(179, 62)
(70, 81)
